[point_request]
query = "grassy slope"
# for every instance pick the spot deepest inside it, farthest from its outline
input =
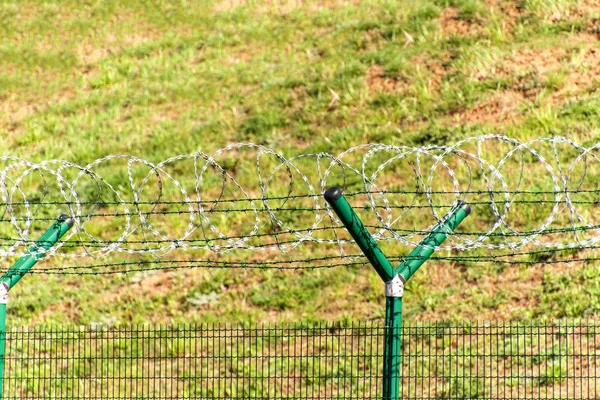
(156, 79)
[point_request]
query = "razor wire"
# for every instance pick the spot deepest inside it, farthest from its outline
(248, 197)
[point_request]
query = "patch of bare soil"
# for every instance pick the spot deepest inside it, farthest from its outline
(438, 67)
(453, 25)
(500, 108)
(156, 284)
(378, 81)
(584, 72)
(532, 60)
(241, 57)
(585, 9)
(281, 6)
(89, 54)
(511, 12)
(532, 69)
(581, 65)
(15, 112)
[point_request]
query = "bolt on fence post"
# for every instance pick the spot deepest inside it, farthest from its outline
(394, 279)
(22, 267)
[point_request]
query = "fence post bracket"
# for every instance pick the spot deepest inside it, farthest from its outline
(4, 293)
(395, 287)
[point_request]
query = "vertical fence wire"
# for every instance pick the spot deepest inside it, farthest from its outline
(471, 359)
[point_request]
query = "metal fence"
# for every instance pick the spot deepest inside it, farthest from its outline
(492, 360)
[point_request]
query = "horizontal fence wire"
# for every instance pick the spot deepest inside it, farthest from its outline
(440, 360)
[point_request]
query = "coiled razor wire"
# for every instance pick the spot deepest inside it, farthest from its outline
(247, 197)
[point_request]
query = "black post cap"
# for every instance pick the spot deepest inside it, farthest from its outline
(67, 219)
(465, 206)
(332, 194)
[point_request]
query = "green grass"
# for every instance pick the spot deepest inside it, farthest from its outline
(156, 79)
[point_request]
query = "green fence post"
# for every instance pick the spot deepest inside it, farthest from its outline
(19, 269)
(2, 341)
(394, 279)
(392, 348)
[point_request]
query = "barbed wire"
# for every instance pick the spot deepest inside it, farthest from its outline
(527, 195)
(527, 258)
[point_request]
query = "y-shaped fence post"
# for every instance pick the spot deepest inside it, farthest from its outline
(394, 278)
(19, 269)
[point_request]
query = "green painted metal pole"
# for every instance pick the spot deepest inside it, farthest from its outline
(394, 278)
(2, 344)
(360, 234)
(392, 348)
(37, 251)
(19, 269)
(438, 234)
(393, 304)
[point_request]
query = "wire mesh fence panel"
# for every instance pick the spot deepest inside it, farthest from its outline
(500, 360)
(483, 360)
(208, 362)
